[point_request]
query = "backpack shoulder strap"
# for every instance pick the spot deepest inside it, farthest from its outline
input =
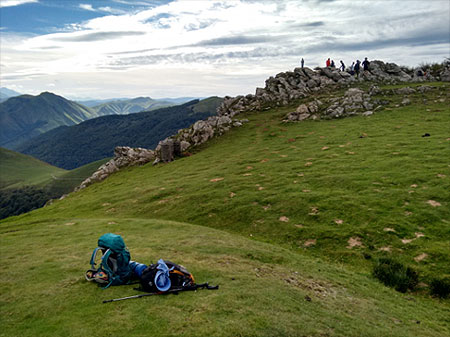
(94, 254)
(106, 268)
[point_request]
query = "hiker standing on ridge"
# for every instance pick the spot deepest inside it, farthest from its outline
(332, 64)
(357, 68)
(328, 63)
(366, 64)
(342, 67)
(302, 62)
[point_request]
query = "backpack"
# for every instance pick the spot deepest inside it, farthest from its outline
(114, 267)
(165, 276)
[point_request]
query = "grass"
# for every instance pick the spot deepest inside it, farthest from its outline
(68, 181)
(18, 170)
(275, 213)
(265, 290)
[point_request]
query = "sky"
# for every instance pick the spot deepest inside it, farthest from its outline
(103, 49)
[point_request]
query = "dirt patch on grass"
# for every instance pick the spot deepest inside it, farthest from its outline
(385, 249)
(314, 211)
(434, 203)
(216, 179)
(354, 242)
(421, 257)
(310, 242)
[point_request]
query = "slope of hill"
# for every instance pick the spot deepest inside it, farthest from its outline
(6, 93)
(18, 170)
(70, 147)
(125, 107)
(288, 218)
(27, 183)
(26, 116)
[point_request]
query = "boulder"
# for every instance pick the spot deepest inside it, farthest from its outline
(445, 75)
(301, 109)
(405, 91)
(123, 156)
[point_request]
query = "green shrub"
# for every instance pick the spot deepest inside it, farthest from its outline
(396, 275)
(440, 287)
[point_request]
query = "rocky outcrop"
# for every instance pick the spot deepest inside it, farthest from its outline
(289, 86)
(281, 90)
(354, 102)
(123, 156)
(197, 134)
(167, 150)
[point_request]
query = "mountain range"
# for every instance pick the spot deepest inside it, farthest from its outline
(6, 93)
(127, 106)
(23, 117)
(26, 116)
(69, 147)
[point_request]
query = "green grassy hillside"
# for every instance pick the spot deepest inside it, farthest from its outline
(287, 218)
(67, 182)
(17, 170)
(27, 183)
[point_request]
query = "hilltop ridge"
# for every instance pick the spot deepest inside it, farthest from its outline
(281, 90)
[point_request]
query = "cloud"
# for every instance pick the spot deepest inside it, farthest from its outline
(223, 40)
(86, 7)
(11, 3)
(97, 36)
(237, 40)
(106, 9)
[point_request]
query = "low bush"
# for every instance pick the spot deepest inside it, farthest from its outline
(440, 287)
(396, 275)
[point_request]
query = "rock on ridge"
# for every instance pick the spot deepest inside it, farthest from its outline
(167, 149)
(292, 85)
(280, 90)
(354, 102)
(123, 156)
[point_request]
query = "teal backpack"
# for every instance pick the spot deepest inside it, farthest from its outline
(114, 266)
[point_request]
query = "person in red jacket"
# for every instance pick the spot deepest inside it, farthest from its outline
(328, 63)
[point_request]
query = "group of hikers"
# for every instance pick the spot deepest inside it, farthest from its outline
(354, 69)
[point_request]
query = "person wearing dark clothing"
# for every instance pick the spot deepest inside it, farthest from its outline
(366, 64)
(342, 67)
(332, 64)
(357, 67)
(302, 62)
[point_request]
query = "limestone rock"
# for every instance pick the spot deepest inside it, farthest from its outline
(405, 91)
(123, 156)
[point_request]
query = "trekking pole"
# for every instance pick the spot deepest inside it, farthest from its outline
(141, 295)
(173, 291)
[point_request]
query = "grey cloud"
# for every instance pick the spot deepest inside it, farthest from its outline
(222, 41)
(49, 47)
(306, 24)
(90, 37)
(266, 52)
(199, 25)
(425, 39)
(237, 40)
(21, 76)
(158, 17)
